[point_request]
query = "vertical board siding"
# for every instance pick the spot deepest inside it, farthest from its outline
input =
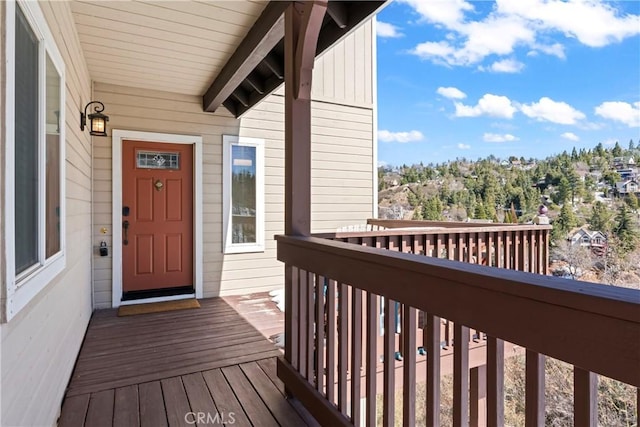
(344, 73)
(39, 345)
(341, 152)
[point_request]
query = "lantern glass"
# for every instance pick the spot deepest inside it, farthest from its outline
(97, 125)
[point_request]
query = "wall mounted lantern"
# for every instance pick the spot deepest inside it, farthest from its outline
(98, 125)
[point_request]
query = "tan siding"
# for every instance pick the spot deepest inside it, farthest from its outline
(40, 344)
(344, 73)
(342, 176)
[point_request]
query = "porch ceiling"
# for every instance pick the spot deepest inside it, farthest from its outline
(230, 52)
(174, 46)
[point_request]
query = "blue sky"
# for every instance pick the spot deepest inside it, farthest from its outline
(513, 77)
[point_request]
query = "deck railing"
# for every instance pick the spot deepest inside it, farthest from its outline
(335, 291)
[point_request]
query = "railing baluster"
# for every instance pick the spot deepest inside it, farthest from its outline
(372, 357)
(478, 396)
(460, 248)
(409, 366)
(480, 248)
(356, 354)
(460, 375)
(585, 397)
(450, 246)
(320, 331)
(495, 382)
(533, 261)
(310, 303)
(343, 344)
(507, 250)
(432, 343)
(534, 389)
(388, 408)
(291, 342)
(500, 249)
(302, 319)
(331, 341)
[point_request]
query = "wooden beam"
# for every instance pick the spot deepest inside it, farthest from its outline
(303, 23)
(256, 83)
(267, 31)
(241, 96)
(275, 65)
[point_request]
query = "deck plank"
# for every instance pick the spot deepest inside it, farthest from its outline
(152, 410)
(271, 396)
(74, 411)
(126, 408)
(224, 397)
(251, 402)
(100, 413)
(199, 397)
(175, 401)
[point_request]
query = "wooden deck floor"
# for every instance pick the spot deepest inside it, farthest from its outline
(169, 368)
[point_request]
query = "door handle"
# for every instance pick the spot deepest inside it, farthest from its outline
(125, 226)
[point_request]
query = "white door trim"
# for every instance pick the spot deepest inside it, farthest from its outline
(117, 136)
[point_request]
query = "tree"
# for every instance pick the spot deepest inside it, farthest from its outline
(563, 224)
(632, 201)
(631, 147)
(625, 230)
(563, 191)
(432, 209)
(617, 150)
(600, 219)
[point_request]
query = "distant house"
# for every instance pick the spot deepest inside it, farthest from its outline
(623, 162)
(627, 173)
(588, 238)
(624, 188)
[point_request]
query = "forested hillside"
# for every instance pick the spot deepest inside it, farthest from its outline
(593, 189)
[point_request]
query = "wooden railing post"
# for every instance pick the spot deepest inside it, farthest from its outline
(534, 390)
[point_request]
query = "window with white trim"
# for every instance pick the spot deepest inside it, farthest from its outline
(243, 194)
(34, 157)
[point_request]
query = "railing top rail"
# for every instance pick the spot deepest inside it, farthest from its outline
(432, 230)
(402, 223)
(579, 322)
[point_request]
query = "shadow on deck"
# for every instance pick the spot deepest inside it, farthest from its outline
(169, 368)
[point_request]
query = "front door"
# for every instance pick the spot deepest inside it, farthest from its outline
(157, 219)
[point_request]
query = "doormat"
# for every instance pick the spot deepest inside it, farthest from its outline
(157, 307)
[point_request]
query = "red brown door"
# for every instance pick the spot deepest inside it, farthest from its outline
(157, 216)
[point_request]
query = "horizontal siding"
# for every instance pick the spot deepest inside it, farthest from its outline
(341, 176)
(39, 345)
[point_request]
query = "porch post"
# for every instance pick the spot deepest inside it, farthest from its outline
(303, 21)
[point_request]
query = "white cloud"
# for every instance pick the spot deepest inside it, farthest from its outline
(494, 137)
(594, 23)
(620, 111)
(411, 136)
(488, 105)
(549, 110)
(508, 65)
(570, 136)
(384, 29)
(447, 13)
(451, 93)
(464, 146)
(517, 23)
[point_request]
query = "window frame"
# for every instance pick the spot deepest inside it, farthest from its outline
(228, 247)
(22, 288)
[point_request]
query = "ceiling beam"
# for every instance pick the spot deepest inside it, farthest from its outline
(266, 32)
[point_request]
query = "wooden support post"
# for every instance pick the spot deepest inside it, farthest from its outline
(302, 27)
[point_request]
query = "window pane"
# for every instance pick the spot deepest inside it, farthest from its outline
(243, 194)
(52, 177)
(26, 145)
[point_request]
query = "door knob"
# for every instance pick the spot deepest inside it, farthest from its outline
(125, 226)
